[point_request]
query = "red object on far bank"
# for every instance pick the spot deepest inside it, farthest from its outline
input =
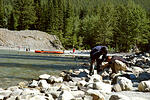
(73, 50)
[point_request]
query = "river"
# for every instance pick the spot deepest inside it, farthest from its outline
(18, 66)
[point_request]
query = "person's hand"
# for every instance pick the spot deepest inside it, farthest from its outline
(103, 66)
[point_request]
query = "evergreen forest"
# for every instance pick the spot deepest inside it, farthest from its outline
(82, 24)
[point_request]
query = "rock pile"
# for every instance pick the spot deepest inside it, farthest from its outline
(78, 85)
(29, 39)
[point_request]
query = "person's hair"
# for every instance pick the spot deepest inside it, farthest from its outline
(104, 49)
(108, 58)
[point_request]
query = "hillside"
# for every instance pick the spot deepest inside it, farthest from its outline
(29, 39)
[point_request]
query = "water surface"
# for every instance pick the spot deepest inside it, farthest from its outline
(24, 66)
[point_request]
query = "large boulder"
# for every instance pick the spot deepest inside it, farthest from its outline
(44, 76)
(144, 86)
(43, 84)
(95, 94)
(144, 76)
(125, 83)
(103, 87)
(119, 97)
(5, 93)
(65, 95)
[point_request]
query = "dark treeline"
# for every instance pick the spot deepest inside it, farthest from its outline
(82, 24)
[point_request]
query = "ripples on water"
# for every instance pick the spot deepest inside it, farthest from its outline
(24, 66)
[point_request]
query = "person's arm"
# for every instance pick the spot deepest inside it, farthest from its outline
(104, 66)
(103, 57)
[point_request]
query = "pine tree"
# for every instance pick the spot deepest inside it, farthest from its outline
(38, 9)
(132, 25)
(2, 22)
(11, 22)
(25, 13)
(49, 17)
(68, 25)
(105, 24)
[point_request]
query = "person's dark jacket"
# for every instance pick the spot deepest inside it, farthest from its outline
(96, 52)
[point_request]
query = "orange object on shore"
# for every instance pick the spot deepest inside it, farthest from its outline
(54, 52)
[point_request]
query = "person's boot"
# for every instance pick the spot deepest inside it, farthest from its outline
(91, 69)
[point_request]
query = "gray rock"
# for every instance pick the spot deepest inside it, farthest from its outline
(64, 87)
(13, 88)
(81, 70)
(103, 87)
(62, 74)
(5, 93)
(78, 98)
(54, 79)
(49, 97)
(16, 92)
(89, 85)
(88, 97)
(137, 70)
(118, 97)
(117, 88)
(65, 95)
(144, 86)
(95, 78)
(38, 97)
(29, 91)
(147, 54)
(82, 74)
(81, 83)
(29, 38)
(74, 88)
(23, 84)
(55, 94)
(78, 93)
(44, 77)
(86, 70)
(12, 98)
(24, 97)
(107, 81)
(144, 76)
(59, 80)
(1, 97)
(70, 83)
(125, 83)
(67, 78)
(76, 79)
(52, 89)
(95, 94)
(43, 84)
(1, 89)
(34, 84)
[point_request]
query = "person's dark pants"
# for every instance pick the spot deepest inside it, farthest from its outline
(95, 63)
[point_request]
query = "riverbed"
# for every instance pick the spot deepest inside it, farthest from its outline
(17, 66)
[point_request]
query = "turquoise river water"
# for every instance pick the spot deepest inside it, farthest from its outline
(24, 66)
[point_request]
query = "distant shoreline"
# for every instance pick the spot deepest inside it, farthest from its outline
(15, 49)
(66, 52)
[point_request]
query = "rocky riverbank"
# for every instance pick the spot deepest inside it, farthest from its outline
(78, 85)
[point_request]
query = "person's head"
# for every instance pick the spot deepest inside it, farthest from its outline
(108, 58)
(104, 50)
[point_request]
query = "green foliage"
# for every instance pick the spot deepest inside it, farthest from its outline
(38, 13)
(25, 13)
(132, 25)
(12, 22)
(82, 24)
(2, 22)
(104, 26)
